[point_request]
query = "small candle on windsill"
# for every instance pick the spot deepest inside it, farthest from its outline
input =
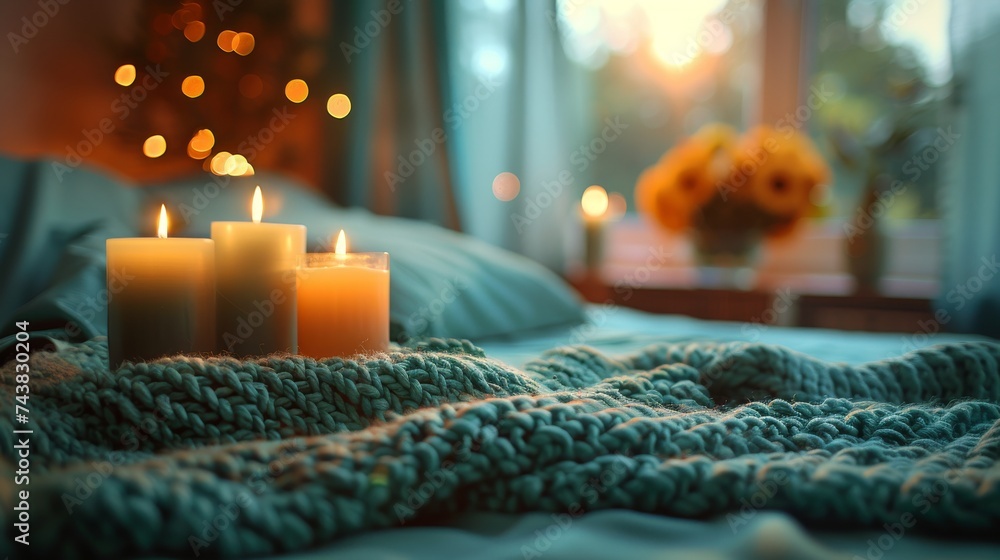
(343, 301)
(255, 265)
(594, 208)
(166, 302)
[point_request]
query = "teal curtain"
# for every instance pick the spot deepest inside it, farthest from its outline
(446, 96)
(392, 154)
(970, 298)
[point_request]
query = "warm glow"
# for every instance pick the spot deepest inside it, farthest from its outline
(218, 165)
(243, 44)
(161, 226)
(297, 90)
(595, 201)
(203, 141)
(193, 86)
(236, 165)
(506, 186)
(226, 40)
(125, 75)
(258, 205)
(251, 86)
(339, 105)
(341, 248)
(194, 31)
(154, 146)
(617, 206)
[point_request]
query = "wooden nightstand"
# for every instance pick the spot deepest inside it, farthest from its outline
(791, 304)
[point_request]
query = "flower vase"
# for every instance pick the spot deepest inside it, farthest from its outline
(726, 258)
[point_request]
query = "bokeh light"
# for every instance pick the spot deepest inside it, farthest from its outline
(194, 31)
(506, 186)
(236, 165)
(218, 165)
(297, 90)
(594, 201)
(339, 105)
(617, 206)
(154, 146)
(226, 40)
(202, 142)
(243, 44)
(125, 75)
(193, 86)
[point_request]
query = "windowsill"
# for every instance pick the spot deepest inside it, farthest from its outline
(812, 261)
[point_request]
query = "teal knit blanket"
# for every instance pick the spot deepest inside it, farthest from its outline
(225, 458)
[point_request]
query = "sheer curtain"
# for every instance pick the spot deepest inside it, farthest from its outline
(392, 153)
(971, 201)
(517, 94)
(446, 96)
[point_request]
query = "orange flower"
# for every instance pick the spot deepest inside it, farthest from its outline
(782, 169)
(686, 178)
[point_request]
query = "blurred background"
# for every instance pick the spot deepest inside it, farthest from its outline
(493, 117)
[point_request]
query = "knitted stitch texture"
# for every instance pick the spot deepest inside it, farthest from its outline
(226, 458)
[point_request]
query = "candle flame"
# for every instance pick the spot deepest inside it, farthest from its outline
(258, 205)
(161, 230)
(595, 201)
(341, 243)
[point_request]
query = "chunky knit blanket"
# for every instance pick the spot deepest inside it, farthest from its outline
(219, 457)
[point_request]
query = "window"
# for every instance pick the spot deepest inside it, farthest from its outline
(664, 67)
(888, 63)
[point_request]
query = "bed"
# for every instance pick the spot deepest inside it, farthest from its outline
(174, 481)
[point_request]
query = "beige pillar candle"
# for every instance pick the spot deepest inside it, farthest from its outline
(255, 270)
(343, 301)
(166, 302)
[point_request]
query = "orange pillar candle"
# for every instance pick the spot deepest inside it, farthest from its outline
(161, 296)
(343, 303)
(255, 264)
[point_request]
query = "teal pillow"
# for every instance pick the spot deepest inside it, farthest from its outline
(443, 283)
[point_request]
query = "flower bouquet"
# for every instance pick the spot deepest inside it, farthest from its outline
(730, 192)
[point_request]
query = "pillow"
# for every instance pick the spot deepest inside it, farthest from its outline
(443, 283)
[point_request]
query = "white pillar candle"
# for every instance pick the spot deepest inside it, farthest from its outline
(255, 270)
(165, 301)
(343, 303)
